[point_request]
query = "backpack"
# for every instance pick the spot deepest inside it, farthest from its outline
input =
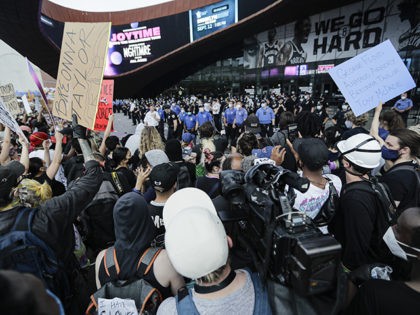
(21, 250)
(97, 221)
(328, 209)
(384, 197)
(185, 304)
(184, 179)
(146, 297)
(414, 168)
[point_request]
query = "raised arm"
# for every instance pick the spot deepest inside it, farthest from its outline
(102, 148)
(24, 157)
(56, 162)
(5, 148)
(374, 128)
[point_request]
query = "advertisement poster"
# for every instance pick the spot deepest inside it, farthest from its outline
(211, 18)
(340, 33)
(80, 71)
(104, 105)
(133, 45)
(375, 76)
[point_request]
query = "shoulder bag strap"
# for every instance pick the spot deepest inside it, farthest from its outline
(146, 260)
(111, 265)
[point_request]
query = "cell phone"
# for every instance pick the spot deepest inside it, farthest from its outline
(186, 152)
(292, 132)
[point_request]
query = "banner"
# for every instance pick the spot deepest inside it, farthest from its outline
(7, 93)
(80, 71)
(340, 33)
(105, 105)
(8, 120)
(374, 76)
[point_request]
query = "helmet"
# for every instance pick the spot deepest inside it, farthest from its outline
(361, 149)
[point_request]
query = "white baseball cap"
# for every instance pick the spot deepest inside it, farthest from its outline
(195, 238)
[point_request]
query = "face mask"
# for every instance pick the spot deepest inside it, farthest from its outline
(348, 124)
(264, 105)
(395, 246)
(344, 107)
(238, 107)
(182, 110)
(403, 97)
(201, 110)
(390, 155)
(230, 105)
(307, 97)
(319, 107)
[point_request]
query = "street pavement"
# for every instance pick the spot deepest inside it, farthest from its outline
(122, 125)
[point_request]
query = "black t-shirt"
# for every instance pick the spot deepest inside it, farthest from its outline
(156, 211)
(359, 226)
(212, 186)
(402, 184)
(380, 297)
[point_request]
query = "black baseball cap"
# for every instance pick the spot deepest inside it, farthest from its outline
(9, 175)
(252, 124)
(312, 152)
(164, 176)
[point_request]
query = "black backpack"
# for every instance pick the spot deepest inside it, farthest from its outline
(97, 221)
(21, 250)
(384, 196)
(146, 297)
(329, 208)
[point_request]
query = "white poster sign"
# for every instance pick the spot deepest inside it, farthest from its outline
(28, 109)
(8, 120)
(117, 306)
(375, 76)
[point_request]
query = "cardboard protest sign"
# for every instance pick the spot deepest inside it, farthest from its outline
(26, 105)
(105, 105)
(8, 120)
(117, 306)
(80, 72)
(8, 96)
(375, 76)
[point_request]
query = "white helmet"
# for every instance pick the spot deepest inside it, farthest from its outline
(361, 149)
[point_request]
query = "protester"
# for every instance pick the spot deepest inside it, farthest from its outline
(204, 258)
(403, 107)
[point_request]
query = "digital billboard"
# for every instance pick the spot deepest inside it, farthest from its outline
(211, 18)
(138, 43)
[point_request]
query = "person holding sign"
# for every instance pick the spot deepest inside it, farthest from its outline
(403, 106)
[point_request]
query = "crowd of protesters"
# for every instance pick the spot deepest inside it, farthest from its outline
(145, 206)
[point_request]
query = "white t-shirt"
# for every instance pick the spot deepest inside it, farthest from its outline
(216, 108)
(60, 174)
(149, 119)
(312, 200)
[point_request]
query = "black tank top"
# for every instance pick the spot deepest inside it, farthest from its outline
(149, 277)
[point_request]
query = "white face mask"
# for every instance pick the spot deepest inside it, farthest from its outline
(230, 105)
(344, 107)
(403, 97)
(238, 107)
(319, 107)
(348, 124)
(395, 246)
(201, 109)
(264, 105)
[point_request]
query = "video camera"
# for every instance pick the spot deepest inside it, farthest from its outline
(285, 244)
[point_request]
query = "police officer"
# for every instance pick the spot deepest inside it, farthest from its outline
(266, 118)
(228, 120)
(190, 121)
(240, 116)
(202, 116)
(172, 120)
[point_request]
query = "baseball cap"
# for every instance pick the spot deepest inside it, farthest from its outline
(252, 124)
(9, 175)
(195, 238)
(156, 157)
(262, 153)
(187, 137)
(164, 176)
(313, 152)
